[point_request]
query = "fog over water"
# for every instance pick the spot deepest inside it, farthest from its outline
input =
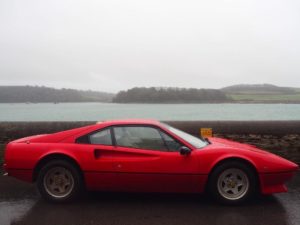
(114, 45)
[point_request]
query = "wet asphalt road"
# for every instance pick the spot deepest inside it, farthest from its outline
(20, 204)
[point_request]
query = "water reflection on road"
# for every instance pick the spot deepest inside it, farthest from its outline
(131, 209)
(140, 209)
(12, 211)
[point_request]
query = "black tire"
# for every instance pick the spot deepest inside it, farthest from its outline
(72, 172)
(217, 185)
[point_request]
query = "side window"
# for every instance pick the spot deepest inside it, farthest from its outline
(139, 137)
(102, 137)
(83, 140)
(172, 144)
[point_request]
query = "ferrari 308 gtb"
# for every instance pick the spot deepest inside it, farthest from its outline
(144, 156)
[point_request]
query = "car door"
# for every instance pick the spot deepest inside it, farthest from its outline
(149, 160)
(98, 155)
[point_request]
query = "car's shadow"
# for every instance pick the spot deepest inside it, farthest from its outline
(132, 208)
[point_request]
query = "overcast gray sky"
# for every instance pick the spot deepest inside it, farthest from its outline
(118, 44)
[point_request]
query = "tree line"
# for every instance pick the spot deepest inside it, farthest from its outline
(35, 94)
(170, 95)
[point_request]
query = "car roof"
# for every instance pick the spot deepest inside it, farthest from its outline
(129, 121)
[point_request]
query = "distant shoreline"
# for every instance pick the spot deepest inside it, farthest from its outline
(236, 94)
(159, 103)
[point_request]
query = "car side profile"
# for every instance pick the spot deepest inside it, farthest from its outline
(144, 156)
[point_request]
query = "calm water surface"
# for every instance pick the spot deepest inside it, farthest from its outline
(104, 111)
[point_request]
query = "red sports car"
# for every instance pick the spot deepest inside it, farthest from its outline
(144, 156)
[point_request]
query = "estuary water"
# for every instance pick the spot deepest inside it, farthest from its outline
(106, 111)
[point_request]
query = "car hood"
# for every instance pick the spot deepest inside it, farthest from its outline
(272, 162)
(233, 144)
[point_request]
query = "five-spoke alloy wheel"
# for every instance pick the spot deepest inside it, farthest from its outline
(59, 181)
(232, 182)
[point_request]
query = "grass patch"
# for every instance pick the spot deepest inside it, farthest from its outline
(266, 97)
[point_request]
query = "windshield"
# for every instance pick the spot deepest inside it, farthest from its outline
(196, 142)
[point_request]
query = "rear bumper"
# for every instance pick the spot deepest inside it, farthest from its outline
(21, 174)
(275, 182)
(5, 173)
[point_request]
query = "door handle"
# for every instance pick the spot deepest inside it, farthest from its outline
(97, 153)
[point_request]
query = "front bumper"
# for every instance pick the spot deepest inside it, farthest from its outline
(274, 182)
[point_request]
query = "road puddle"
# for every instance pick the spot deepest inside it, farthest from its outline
(12, 211)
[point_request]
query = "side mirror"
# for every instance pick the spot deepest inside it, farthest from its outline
(185, 150)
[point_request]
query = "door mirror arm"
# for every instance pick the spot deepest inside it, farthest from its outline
(185, 150)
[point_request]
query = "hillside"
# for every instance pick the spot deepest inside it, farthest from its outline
(170, 95)
(262, 93)
(258, 89)
(35, 94)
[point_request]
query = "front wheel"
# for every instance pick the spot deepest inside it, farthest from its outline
(232, 182)
(59, 181)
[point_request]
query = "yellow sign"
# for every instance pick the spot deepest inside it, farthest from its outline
(206, 132)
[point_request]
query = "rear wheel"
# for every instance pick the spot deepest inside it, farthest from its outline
(59, 181)
(232, 182)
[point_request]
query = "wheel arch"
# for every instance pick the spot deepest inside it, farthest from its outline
(54, 156)
(247, 162)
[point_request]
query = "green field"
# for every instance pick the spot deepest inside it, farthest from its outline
(262, 93)
(266, 97)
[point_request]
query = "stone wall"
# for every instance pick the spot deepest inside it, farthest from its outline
(279, 137)
(1, 155)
